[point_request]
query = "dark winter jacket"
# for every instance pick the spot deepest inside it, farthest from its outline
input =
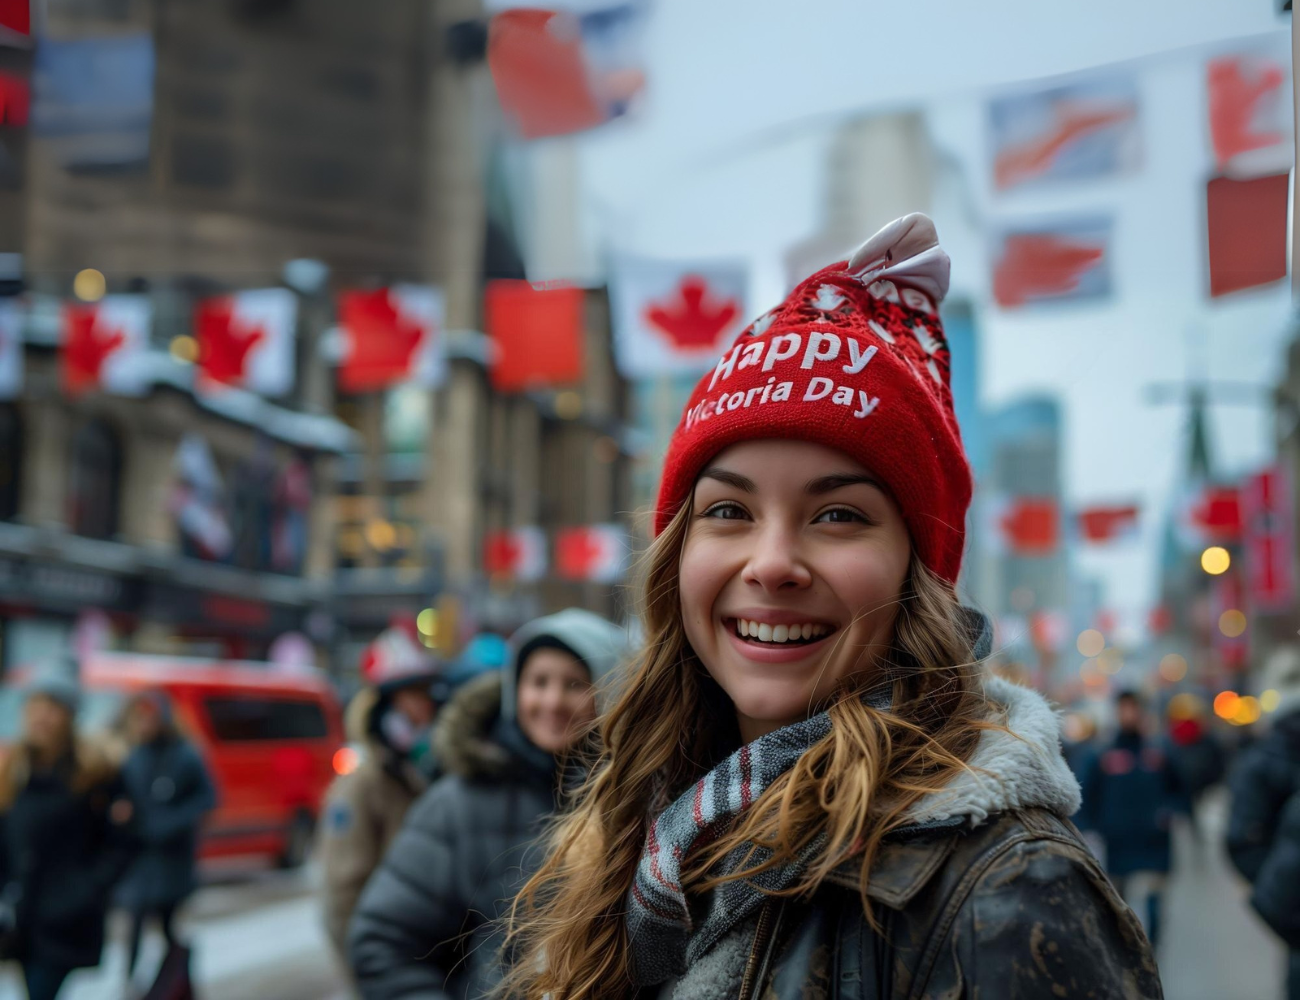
(171, 791)
(61, 854)
(423, 927)
(1131, 792)
(990, 893)
(1264, 824)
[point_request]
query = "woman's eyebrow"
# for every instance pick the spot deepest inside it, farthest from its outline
(828, 484)
(734, 479)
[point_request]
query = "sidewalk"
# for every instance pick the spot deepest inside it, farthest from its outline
(1214, 947)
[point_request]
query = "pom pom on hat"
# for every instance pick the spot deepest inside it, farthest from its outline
(855, 359)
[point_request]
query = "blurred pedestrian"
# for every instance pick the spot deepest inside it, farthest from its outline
(1264, 822)
(1198, 758)
(390, 720)
(810, 786)
(171, 791)
(63, 842)
(424, 926)
(1131, 793)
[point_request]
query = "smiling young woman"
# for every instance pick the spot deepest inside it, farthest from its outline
(809, 786)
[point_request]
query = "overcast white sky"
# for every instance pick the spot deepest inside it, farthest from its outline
(725, 158)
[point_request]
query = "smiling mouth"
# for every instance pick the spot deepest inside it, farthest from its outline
(763, 634)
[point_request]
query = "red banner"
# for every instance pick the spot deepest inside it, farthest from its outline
(1099, 525)
(1030, 526)
(537, 335)
(1270, 541)
(1246, 231)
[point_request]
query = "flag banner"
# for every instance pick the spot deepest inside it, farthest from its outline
(391, 335)
(1106, 524)
(536, 335)
(1023, 526)
(672, 318)
(103, 344)
(560, 71)
(197, 501)
(1246, 223)
(93, 100)
(516, 553)
(1267, 524)
(1249, 98)
(1209, 515)
(1065, 262)
(595, 552)
(246, 340)
(11, 348)
(15, 22)
(1076, 132)
(1231, 640)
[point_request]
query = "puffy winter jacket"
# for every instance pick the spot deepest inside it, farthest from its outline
(424, 925)
(170, 788)
(1264, 825)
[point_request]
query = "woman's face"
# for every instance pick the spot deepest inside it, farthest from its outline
(555, 700)
(798, 543)
(47, 724)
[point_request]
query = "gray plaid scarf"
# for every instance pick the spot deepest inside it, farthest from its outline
(659, 922)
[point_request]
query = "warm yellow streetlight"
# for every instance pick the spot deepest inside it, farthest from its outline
(1232, 623)
(89, 285)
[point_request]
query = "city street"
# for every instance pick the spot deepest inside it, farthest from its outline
(257, 937)
(260, 936)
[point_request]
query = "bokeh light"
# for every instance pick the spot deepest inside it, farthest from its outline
(184, 349)
(1173, 668)
(1090, 642)
(1232, 623)
(381, 535)
(345, 760)
(427, 622)
(1110, 661)
(1225, 704)
(568, 405)
(89, 285)
(1246, 712)
(1269, 700)
(1185, 705)
(1215, 560)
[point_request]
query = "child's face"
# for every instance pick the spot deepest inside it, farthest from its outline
(787, 533)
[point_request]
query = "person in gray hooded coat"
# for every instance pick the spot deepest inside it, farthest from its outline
(425, 925)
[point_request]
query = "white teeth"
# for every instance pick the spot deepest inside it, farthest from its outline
(778, 633)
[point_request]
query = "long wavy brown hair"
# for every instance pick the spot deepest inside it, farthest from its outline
(672, 723)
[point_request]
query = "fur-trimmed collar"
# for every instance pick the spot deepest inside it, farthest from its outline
(1020, 767)
(462, 736)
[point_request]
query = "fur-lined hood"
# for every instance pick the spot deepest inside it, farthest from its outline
(462, 736)
(1016, 768)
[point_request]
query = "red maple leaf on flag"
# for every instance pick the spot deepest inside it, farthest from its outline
(501, 554)
(383, 341)
(1032, 159)
(87, 344)
(691, 320)
(1037, 265)
(224, 341)
(1233, 100)
(577, 553)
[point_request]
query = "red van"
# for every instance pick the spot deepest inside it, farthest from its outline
(269, 738)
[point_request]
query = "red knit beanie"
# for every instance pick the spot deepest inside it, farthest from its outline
(855, 359)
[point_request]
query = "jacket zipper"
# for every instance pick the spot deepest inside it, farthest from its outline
(759, 955)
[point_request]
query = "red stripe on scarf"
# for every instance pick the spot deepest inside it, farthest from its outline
(654, 863)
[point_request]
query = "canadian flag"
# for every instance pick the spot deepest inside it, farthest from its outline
(1249, 97)
(1270, 541)
(1210, 515)
(674, 319)
(246, 340)
(104, 343)
(1104, 524)
(11, 348)
(391, 335)
(595, 552)
(1024, 526)
(517, 553)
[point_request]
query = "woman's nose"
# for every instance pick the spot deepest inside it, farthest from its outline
(777, 562)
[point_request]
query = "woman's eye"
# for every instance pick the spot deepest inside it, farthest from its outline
(725, 511)
(841, 515)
